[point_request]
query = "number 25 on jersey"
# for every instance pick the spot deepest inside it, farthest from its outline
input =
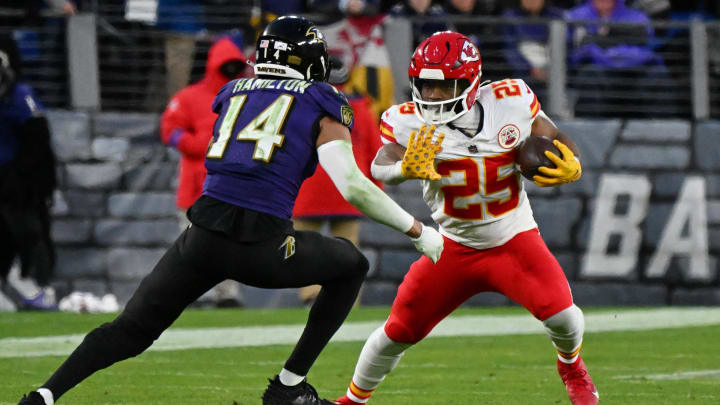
(491, 183)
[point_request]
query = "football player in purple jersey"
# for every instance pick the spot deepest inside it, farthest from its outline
(270, 134)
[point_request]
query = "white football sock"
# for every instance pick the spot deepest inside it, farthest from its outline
(47, 396)
(566, 330)
(378, 357)
(289, 378)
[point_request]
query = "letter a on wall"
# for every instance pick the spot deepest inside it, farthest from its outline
(689, 213)
(597, 262)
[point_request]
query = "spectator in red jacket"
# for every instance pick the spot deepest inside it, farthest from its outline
(187, 125)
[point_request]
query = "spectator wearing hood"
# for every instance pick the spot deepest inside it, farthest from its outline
(612, 57)
(27, 183)
(187, 125)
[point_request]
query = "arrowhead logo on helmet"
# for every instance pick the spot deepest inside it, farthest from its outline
(469, 53)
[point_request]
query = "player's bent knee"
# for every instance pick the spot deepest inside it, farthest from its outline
(384, 345)
(400, 332)
(359, 264)
(362, 265)
(569, 321)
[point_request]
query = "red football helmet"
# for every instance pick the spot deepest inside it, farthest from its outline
(449, 57)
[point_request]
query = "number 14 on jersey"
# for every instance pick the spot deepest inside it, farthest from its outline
(264, 129)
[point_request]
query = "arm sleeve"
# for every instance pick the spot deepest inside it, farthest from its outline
(336, 157)
(334, 103)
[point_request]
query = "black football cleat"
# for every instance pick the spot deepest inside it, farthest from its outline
(301, 394)
(33, 398)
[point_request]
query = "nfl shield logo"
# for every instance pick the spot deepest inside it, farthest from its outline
(346, 113)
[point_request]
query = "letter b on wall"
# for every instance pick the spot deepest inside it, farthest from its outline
(609, 222)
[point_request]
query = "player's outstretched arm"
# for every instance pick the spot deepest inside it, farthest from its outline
(567, 167)
(336, 157)
(394, 163)
(387, 165)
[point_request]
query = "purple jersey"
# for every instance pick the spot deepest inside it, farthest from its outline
(263, 144)
(16, 109)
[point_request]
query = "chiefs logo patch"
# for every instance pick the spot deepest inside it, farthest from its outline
(509, 136)
(469, 52)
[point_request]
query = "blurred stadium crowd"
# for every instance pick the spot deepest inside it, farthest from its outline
(635, 59)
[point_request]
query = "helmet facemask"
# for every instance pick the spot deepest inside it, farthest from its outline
(443, 111)
(451, 60)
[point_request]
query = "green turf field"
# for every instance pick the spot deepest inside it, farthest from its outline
(678, 365)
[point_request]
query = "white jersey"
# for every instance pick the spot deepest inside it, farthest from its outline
(480, 201)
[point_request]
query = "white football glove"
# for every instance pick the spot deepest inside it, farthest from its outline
(429, 243)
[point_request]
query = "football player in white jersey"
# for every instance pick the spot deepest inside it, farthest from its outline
(476, 194)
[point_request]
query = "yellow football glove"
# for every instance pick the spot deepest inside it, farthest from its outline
(419, 159)
(568, 168)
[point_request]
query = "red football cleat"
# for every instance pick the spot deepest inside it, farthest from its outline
(580, 387)
(344, 400)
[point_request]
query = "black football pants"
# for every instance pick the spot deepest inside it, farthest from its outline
(198, 260)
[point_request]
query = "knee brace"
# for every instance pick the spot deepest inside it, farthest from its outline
(566, 329)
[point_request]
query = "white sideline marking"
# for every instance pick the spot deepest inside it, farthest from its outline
(687, 375)
(470, 325)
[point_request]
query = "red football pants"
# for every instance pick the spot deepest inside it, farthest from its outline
(523, 269)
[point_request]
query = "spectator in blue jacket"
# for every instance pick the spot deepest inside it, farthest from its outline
(613, 59)
(27, 183)
(611, 46)
(181, 20)
(526, 45)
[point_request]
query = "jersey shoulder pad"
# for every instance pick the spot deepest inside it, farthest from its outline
(399, 112)
(516, 96)
(397, 122)
(333, 101)
(223, 95)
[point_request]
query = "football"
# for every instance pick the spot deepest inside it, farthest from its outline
(530, 155)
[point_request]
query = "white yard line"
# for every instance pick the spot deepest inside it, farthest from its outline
(470, 325)
(687, 375)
